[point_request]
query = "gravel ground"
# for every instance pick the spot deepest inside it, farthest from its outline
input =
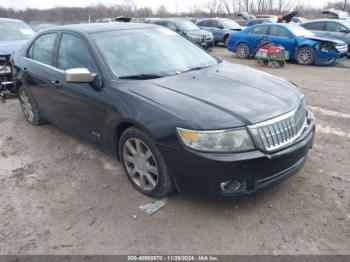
(59, 195)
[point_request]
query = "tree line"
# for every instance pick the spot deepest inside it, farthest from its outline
(211, 8)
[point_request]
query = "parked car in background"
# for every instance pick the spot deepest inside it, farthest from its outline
(272, 18)
(302, 45)
(189, 30)
(256, 21)
(175, 116)
(13, 35)
(299, 20)
(38, 27)
(219, 27)
(334, 28)
(149, 20)
(336, 14)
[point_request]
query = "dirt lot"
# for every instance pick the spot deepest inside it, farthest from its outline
(59, 195)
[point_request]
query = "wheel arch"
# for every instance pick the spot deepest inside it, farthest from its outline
(119, 128)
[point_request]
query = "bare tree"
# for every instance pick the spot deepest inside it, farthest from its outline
(162, 11)
(129, 7)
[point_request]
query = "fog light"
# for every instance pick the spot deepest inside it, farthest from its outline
(230, 186)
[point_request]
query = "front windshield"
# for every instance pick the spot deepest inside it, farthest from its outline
(156, 51)
(186, 26)
(10, 31)
(230, 24)
(301, 31)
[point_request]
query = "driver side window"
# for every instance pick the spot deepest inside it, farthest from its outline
(73, 53)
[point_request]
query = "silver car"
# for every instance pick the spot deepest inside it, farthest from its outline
(330, 28)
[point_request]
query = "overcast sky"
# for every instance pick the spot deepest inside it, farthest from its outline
(170, 4)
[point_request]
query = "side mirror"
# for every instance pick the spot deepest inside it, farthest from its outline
(221, 27)
(344, 31)
(79, 75)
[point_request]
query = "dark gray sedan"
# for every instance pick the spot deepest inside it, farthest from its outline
(175, 116)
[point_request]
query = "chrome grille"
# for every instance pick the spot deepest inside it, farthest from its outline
(281, 131)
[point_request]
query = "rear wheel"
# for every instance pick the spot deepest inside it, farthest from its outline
(143, 163)
(242, 51)
(306, 56)
(29, 108)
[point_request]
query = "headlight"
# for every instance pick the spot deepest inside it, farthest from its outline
(198, 37)
(217, 141)
(4, 70)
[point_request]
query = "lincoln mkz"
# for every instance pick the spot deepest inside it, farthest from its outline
(177, 118)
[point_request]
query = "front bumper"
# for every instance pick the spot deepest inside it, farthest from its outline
(203, 174)
(207, 43)
(330, 57)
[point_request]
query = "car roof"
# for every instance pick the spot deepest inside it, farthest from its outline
(172, 19)
(341, 21)
(10, 20)
(91, 28)
(286, 25)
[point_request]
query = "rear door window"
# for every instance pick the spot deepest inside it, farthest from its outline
(279, 31)
(334, 27)
(260, 30)
(43, 48)
(74, 53)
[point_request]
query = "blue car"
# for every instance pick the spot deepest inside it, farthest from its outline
(220, 27)
(301, 45)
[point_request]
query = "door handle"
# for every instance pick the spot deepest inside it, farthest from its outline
(56, 83)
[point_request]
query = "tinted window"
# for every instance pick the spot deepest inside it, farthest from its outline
(162, 23)
(334, 27)
(203, 23)
(315, 26)
(43, 48)
(260, 30)
(73, 53)
(171, 26)
(214, 24)
(279, 31)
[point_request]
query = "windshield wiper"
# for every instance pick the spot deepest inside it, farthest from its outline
(195, 68)
(141, 76)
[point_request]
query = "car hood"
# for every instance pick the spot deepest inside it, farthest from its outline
(10, 47)
(222, 96)
(324, 39)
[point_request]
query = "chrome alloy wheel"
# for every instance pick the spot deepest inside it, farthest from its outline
(140, 164)
(242, 51)
(305, 56)
(27, 106)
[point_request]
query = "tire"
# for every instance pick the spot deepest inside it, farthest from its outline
(29, 108)
(306, 56)
(242, 51)
(143, 164)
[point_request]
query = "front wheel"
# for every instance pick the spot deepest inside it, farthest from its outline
(305, 56)
(143, 163)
